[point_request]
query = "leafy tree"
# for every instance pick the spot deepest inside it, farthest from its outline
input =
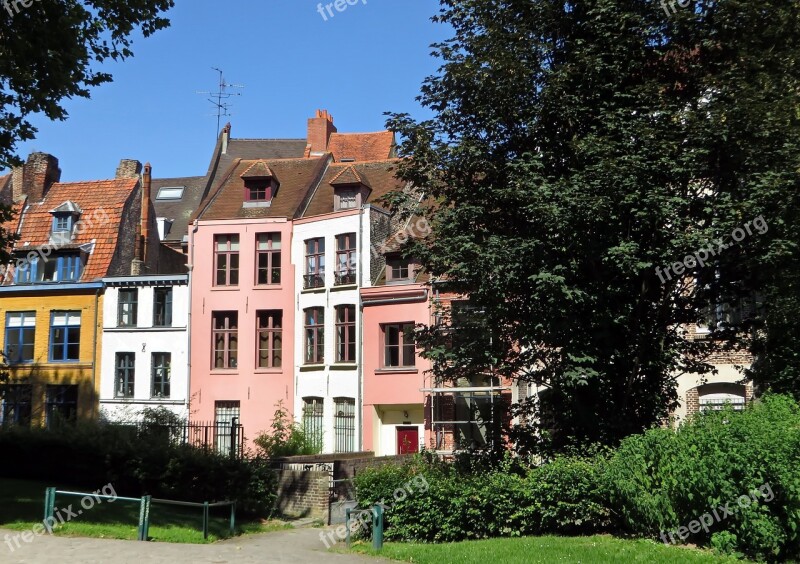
(50, 50)
(578, 150)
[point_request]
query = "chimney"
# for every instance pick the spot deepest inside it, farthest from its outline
(146, 189)
(226, 137)
(34, 178)
(320, 128)
(128, 168)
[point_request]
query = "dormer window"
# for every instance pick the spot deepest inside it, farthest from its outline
(62, 222)
(399, 269)
(350, 189)
(260, 186)
(347, 199)
(65, 217)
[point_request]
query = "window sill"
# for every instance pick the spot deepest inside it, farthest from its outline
(224, 372)
(311, 367)
(157, 329)
(268, 371)
(72, 363)
(313, 290)
(344, 366)
(397, 370)
(345, 287)
(224, 288)
(268, 287)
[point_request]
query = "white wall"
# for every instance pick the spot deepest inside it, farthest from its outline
(328, 381)
(144, 340)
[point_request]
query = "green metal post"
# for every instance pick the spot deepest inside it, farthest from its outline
(347, 526)
(49, 508)
(377, 527)
(205, 520)
(144, 517)
(233, 518)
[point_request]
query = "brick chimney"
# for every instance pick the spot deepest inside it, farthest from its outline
(128, 168)
(320, 128)
(34, 178)
(143, 229)
(226, 137)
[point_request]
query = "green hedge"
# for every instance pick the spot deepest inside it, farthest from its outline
(651, 486)
(90, 455)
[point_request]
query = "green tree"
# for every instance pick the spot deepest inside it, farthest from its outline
(578, 149)
(50, 50)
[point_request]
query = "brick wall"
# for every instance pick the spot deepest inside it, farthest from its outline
(692, 402)
(303, 494)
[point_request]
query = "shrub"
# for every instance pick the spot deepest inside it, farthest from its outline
(286, 439)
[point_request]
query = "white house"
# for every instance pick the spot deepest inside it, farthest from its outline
(145, 346)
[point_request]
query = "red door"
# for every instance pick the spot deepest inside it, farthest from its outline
(407, 440)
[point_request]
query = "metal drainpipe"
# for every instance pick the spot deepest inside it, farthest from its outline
(360, 369)
(190, 268)
(94, 350)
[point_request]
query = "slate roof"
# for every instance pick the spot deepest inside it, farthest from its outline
(296, 177)
(103, 203)
(362, 146)
(378, 175)
(179, 211)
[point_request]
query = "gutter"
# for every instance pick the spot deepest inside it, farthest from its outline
(408, 299)
(360, 274)
(94, 349)
(190, 268)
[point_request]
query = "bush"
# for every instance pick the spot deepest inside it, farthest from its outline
(90, 455)
(564, 496)
(287, 437)
(663, 480)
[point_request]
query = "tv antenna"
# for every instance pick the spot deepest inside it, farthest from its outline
(220, 98)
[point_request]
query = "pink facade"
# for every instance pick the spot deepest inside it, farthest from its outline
(216, 391)
(393, 401)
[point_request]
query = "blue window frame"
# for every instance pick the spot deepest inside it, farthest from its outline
(25, 272)
(63, 268)
(20, 335)
(62, 222)
(65, 336)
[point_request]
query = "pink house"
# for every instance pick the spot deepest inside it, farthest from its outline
(243, 294)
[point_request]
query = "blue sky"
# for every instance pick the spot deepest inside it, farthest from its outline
(361, 62)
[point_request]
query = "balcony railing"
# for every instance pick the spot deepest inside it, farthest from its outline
(345, 277)
(313, 281)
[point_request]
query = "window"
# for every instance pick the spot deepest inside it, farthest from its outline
(270, 339)
(17, 404)
(62, 223)
(346, 333)
(313, 411)
(344, 424)
(315, 335)
(61, 405)
(227, 429)
(65, 336)
(126, 371)
(20, 336)
(398, 340)
(26, 271)
(226, 260)
(268, 249)
(170, 193)
(160, 375)
(398, 269)
(258, 190)
(127, 308)
(162, 307)
(61, 268)
(315, 263)
(346, 258)
(226, 339)
(346, 198)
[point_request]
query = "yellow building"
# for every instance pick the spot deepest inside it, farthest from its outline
(70, 236)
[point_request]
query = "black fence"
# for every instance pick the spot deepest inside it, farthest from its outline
(224, 437)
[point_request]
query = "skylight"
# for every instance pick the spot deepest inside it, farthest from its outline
(170, 193)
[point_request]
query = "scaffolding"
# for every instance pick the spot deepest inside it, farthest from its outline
(479, 403)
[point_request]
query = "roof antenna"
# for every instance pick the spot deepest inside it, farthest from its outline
(219, 99)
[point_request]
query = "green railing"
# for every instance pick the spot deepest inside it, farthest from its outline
(144, 509)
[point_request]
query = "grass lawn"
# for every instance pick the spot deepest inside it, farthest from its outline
(22, 506)
(533, 550)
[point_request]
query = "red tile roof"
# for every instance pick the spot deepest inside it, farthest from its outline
(102, 203)
(362, 146)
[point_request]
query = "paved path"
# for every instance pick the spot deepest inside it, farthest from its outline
(295, 545)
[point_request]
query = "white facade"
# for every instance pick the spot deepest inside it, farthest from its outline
(331, 379)
(155, 347)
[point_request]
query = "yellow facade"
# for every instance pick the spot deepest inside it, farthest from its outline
(85, 373)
